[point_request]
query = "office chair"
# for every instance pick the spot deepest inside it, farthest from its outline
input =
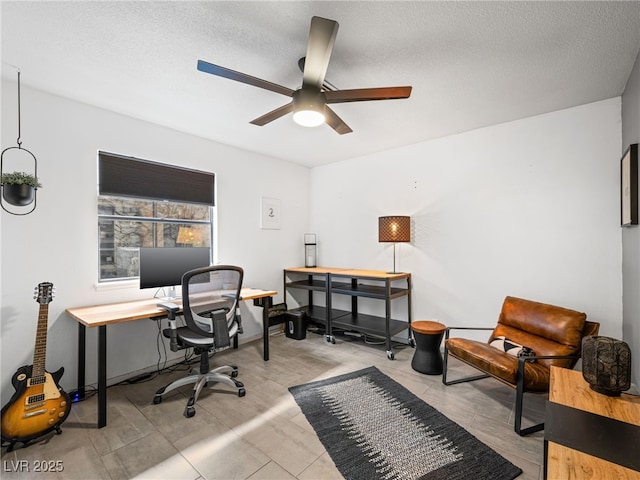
(210, 297)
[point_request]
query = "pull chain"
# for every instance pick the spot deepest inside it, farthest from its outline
(19, 134)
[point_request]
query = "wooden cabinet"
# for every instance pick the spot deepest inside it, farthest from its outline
(328, 282)
(589, 435)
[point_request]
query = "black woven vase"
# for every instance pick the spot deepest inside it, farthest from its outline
(606, 365)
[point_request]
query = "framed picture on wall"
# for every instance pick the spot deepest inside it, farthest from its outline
(269, 213)
(629, 186)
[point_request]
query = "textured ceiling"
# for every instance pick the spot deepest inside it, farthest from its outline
(471, 64)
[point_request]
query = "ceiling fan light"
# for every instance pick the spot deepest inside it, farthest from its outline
(308, 118)
(308, 107)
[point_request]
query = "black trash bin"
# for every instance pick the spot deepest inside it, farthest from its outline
(295, 325)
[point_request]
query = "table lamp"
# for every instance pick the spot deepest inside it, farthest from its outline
(394, 229)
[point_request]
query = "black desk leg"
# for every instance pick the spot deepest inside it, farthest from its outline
(102, 376)
(266, 303)
(82, 360)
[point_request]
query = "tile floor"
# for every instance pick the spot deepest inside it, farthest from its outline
(262, 435)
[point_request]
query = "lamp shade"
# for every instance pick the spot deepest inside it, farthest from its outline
(394, 229)
(606, 365)
(189, 236)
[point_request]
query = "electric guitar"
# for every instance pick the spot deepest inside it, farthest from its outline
(38, 405)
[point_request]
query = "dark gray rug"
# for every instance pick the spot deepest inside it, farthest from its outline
(374, 428)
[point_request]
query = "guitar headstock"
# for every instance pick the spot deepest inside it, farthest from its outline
(44, 293)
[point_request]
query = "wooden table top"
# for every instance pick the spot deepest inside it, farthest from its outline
(99, 315)
(348, 272)
(569, 388)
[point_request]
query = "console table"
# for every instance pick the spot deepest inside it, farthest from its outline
(375, 284)
(589, 435)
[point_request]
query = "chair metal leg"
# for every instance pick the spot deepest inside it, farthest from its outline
(519, 401)
(224, 374)
(181, 382)
(221, 378)
(519, 393)
(197, 388)
(228, 369)
(445, 364)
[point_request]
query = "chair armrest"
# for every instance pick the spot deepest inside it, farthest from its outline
(448, 329)
(171, 309)
(533, 358)
(523, 360)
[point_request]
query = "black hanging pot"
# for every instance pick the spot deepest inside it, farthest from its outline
(18, 194)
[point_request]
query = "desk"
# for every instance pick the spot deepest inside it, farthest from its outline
(589, 435)
(103, 315)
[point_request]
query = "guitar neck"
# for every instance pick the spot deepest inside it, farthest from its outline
(40, 352)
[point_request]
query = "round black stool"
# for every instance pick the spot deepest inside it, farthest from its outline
(427, 357)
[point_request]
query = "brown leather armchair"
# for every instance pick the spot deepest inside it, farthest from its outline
(553, 334)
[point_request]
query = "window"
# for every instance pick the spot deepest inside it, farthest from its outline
(148, 204)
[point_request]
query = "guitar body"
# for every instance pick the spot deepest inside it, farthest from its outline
(37, 407)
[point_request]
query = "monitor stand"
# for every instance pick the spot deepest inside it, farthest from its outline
(169, 294)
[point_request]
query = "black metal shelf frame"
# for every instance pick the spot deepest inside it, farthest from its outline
(334, 283)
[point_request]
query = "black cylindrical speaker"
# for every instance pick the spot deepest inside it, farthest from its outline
(606, 364)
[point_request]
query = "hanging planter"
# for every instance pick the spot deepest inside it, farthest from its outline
(19, 188)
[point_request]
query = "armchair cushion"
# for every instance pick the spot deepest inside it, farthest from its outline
(498, 364)
(558, 324)
(546, 329)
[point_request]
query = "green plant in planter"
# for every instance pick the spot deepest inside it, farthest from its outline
(20, 178)
(18, 188)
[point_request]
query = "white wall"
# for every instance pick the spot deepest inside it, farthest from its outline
(528, 208)
(58, 242)
(631, 235)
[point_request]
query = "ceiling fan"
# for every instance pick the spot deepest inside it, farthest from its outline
(310, 102)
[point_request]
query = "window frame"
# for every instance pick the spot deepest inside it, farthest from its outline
(131, 192)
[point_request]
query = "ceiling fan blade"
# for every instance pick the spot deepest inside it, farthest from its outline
(242, 77)
(366, 94)
(335, 122)
(322, 36)
(273, 115)
(326, 85)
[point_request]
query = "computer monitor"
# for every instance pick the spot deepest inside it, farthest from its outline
(163, 267)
